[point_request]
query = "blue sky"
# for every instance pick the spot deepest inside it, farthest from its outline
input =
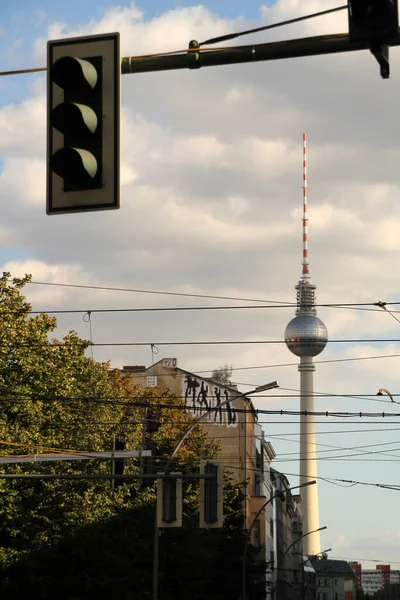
(26, 20)
(211, 195)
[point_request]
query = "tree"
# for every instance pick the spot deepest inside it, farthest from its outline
(222, 375)
(78, 540)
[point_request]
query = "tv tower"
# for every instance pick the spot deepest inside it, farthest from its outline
(306, 336)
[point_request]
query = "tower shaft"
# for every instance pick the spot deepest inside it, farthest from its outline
(308, 462)
(306, 336)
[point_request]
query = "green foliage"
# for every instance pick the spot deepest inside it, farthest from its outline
(222, 375)
(78, 540)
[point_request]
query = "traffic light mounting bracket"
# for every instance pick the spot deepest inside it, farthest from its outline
(381, 53)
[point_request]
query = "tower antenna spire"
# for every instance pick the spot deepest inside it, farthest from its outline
(305, 276)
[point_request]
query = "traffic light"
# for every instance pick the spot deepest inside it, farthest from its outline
(83, 123)
(377, 23)
(149, 466)
(169, 502)
(373, 20)
(118, 465)
(211, 495)
(151, 425)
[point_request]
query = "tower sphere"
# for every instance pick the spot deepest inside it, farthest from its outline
(306, 335)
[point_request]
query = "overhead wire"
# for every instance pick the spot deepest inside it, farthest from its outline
(231, 36)
(211, 41)
(285, 304)
(199, 343)
(62, 311)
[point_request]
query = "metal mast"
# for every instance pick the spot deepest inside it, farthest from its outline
(306, 336)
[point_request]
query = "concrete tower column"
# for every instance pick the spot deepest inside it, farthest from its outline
(308, 463)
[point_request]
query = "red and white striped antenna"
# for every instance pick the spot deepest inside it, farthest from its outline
(305, 275)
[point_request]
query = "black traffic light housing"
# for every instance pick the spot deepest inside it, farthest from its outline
(211, 495)
(377, 23)
(373, 20)
(118, 467)
(83, 129)
(169, 502)
(151, 425)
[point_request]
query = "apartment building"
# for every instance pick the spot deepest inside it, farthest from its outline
(371, 581)
(244, 451)
(335, 579)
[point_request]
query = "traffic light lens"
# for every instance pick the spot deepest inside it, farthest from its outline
(76, 166)
(74, 119)
(76, 74)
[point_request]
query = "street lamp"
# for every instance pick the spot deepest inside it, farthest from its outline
(301, 537)
(295, 542)
(256, 390)
(385, 391)
(248, 536)
(261, 388)
(324, 551)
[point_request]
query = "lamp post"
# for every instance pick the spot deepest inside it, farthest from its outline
(261, 388)
(248, 536)
(302, 564)
(385, 391)
(301, 537)
(324, 551)
(304, 579)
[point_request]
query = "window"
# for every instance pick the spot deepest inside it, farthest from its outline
(259, 456)
(257, 484)
(257, 534)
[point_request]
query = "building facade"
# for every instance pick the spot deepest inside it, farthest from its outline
(374, 580)
(244, 451)
(371, 581)
(288, 548)
(335, 579)
(357, 572)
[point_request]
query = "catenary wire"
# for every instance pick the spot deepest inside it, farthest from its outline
(207, 296)
(211, 41)
(171, 309)
(377, 560)
(201, 343)
(231, 36)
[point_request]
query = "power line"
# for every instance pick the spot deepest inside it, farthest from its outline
(294, 364)
(334, 448)
(377, 560)
(355, 306)
(129, 403)
(199, 343)
(211, 41)
(329, 395)
(231, 36)
(156, 292)
(208, 296)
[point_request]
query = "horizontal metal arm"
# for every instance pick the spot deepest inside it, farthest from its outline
(195, 57)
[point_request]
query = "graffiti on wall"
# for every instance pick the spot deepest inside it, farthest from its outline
(201, 396)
